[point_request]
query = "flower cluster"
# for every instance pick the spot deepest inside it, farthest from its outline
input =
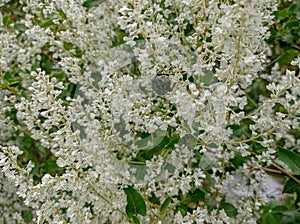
(141, 107)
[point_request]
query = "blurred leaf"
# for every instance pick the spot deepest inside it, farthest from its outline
(288, 56)
(47, 23)
(6, 21)
(62, 14)
(295, 133)
(292, 23)
(12, 78)
(282, 14)
(295, 8)
(162, 140)
(291, 186)
(153, 199)
(291, 159)
(286, 215)
(279, 214)
(197, 195)
(208, 78)
(136, 220)
(165, 204)
(238, 160)
(258, 148)
(20, 27)
(91, 3)
(50, 166)
(69, 91)
(135, 203)
(46, 63)
(182, 208)
(78, 52)
(68, 46)
(242, 130)
(28, 217)
(269, 218)
(288, 38)
(230, 210)
(278, 107)
(205, 161)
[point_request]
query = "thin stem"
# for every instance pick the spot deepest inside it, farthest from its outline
(286, 173)
(268, 170)
(280, 171)
(136, 163)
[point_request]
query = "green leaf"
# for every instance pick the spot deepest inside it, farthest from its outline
(286, 215)
(288, 56)
(182, 208)
(62, 13)
(136, 220)
(197, 195)
(165, 204)
(160, 142)
(292, 23)
(208, 78)
(47, 23)
(91, 3)
(230, 210)
(270, 218)
(282, 14)
(135, 203)
(153, 199)
(28, 216)
(12, 78)
(46, 63)
(6, 21)
(51, 167)
(68, 46)
(20, 27)
(295, 8)
(205, 162)
(238, 160)
(291, 186)
(291, 159)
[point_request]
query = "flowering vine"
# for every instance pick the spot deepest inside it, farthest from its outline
(140, 111)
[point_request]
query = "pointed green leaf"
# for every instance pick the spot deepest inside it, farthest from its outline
(153, 199)
(47, 23)
(90, 3)
(294, 9)
(182, 208)
(282, 14)
(165, 204)
(291, 159)
(135, 203)
(62, 13)
(136, 220)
